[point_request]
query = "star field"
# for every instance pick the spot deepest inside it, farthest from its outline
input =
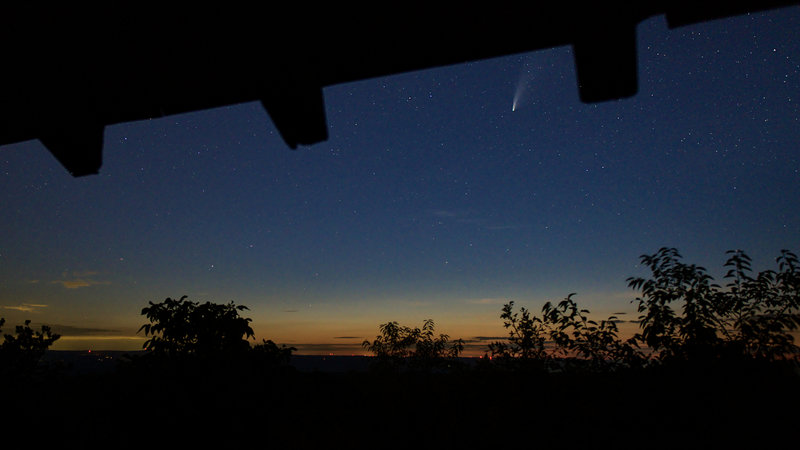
(432, 198)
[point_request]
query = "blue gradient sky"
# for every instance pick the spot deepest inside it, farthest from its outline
(430, 199)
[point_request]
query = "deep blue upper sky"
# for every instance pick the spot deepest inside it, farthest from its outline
(432, 198)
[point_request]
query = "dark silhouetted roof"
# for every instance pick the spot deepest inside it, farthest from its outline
(69, 71)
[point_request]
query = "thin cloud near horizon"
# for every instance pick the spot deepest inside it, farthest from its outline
(70, 330)
(488, 301)
(26, 307)
(77, 279)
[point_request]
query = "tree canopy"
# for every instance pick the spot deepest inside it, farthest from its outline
(21, 352)
(182, 330)
(183, 327)
(418, 347)
(684, 317)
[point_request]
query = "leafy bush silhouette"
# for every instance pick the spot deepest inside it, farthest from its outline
(21, 353)
(752, 318)
(270, 354)
(182, 327)
(762, 311)
(527, 336)
(401, 346)
(211, 336)
(564, 338)
(592, 345)
(692, 335)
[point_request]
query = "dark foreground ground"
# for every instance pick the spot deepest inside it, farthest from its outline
(83, 362)
(147, 407)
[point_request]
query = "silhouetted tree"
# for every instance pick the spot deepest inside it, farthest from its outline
(432, 351)
(753, 317)
(761, 311)
(692, 335)
(574, 335)
(398, 346)
(186, 336)
(563, 334)
(182, 327)
(526, 339)
(271, 354)
(21, 353)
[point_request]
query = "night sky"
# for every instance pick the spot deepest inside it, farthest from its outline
(431, 199)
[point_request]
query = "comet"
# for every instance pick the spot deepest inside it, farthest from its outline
(522, 84)
(518, 92)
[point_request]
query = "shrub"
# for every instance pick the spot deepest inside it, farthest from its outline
(526, 339)
(563, 338)
(753, 317)
(182, 327)
(692, 335)
(270, 354)
(398, 346)
(761, 311)
(574, 335)
(21, 353)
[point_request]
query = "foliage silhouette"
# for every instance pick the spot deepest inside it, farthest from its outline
(182, 327)
(753, 317)
(526, 341)
(564, 338)
(186, 336)
(270, 354)
(526, 335)
(400, 346)
(592, 345)
(21, 353)
(692, 335)
(562, 361)
(761, 311)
